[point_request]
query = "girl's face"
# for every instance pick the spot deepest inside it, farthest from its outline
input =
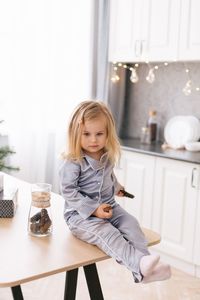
(94, 136)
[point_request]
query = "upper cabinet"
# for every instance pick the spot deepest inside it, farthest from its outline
(189, 46)
(125, 30)
(154, 30)
(162, 29)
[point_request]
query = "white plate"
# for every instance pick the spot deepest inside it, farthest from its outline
(195, 146)
(196, 127)
(180, 130)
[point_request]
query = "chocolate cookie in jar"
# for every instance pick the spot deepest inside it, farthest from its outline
(40, 219)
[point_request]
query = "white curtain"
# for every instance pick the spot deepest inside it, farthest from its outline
(45, 70)
(100, 73)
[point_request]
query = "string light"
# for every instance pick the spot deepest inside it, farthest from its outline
(189, 86)
(115, 77)
(151, 77)
(134, 76)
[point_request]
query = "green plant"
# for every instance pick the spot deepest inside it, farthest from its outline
(4, 152)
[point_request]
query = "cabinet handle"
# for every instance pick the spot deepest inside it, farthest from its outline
(143, 48)
(192, 178)
(137, 48)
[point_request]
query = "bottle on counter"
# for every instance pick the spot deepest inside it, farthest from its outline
(152, 124)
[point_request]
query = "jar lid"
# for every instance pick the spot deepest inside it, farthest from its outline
(41, 199)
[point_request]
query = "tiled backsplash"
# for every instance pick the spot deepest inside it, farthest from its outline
(165, 95)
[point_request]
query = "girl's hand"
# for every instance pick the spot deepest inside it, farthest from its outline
(123, 193)
(120, 193)
(104, 211)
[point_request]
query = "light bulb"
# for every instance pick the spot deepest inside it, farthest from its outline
(187, 88)
(151, 76)
(187, 91)
(189, 83)
(115, 78)
(134, 77)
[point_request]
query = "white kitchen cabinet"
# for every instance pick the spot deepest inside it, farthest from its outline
(189, 47)
(119, 171)
(138, 174)
(154, 30)
(167, 200)
(174, 206)
(144, 30)
(162, 29)
(197, 236)
(125, 30)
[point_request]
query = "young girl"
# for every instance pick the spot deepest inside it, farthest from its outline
(88, 185)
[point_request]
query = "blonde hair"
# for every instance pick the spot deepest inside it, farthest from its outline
(89, 110)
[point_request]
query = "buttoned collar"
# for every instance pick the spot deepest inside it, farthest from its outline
(96, 164)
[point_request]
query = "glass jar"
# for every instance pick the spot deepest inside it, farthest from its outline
(39, 219)
(145, 135)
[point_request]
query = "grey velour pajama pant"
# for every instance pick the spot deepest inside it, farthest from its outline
(119, 237)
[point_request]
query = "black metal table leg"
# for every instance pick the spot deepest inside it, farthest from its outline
(93, 282)
(70, 284)
(17, 292)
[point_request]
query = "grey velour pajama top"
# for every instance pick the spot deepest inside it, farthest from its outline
(87, 184)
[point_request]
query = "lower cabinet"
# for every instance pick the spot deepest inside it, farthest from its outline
(139, 181)
(197, 237)
(167, 200)
(174, 206)
(136, 173)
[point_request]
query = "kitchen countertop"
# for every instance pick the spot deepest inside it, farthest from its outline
(155, 149)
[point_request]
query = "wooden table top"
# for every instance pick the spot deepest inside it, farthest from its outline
(25, 258)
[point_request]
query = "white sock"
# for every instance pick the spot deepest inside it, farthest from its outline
(148, 263)
(160, 272)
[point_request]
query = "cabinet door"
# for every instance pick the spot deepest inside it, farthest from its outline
(190, 30)
(139, 176)
(125, 30)
(174, 206)
(162, 30)
(119, 171)
(197, 236)
(143, 30)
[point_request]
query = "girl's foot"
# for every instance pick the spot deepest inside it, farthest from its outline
(148, 263)
(161, 272)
